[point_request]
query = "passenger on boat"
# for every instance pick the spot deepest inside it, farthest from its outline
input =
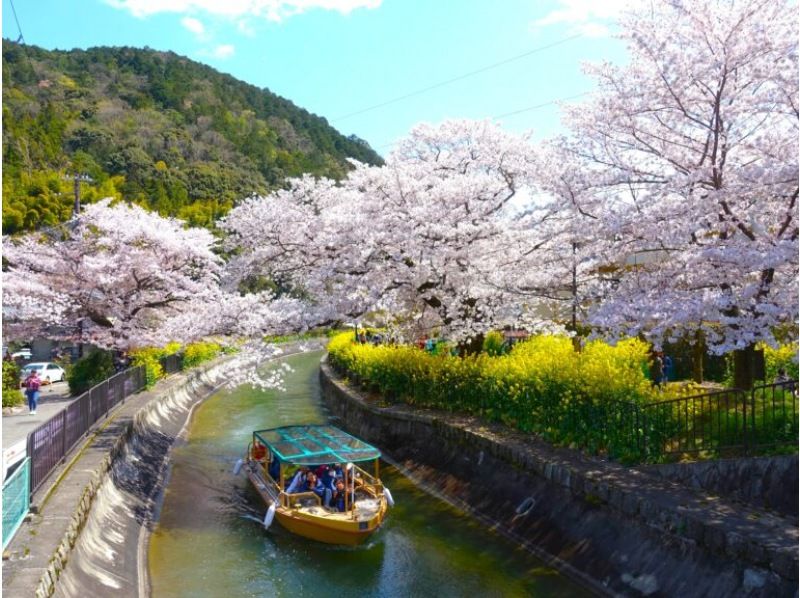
(298, 481)
(328, 477)
(315, 485)
(338, 497)
(274, 467)
(338, 472)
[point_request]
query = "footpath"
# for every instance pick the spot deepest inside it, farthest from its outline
(18, 422)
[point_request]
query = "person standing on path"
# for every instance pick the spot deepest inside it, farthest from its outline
(657, 371)
(32, 385)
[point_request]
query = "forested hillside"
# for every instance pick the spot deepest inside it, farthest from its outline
(153, 128)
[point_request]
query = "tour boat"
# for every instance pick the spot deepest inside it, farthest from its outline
(275, 456)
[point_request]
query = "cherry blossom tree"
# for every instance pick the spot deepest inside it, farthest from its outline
(116, 277)
(690, 162)
(430, 237)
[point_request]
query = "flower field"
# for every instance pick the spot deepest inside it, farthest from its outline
(593, 399)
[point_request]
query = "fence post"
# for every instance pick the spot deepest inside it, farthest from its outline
(63, 435)
(744, 421)
(636, 430)
(29, 452)
(754, 432)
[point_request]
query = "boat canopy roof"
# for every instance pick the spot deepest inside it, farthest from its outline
(315, 445)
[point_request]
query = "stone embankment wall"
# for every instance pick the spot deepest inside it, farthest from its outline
(763, 482)
(618, 530)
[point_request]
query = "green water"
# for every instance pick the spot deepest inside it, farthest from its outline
(209, 541)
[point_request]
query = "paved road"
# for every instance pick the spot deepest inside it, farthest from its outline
(53, 398)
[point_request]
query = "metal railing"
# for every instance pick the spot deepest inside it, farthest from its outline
(724, 423)
(172, 363)
(16, 500)
(49, 443)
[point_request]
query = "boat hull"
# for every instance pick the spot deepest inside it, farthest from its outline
(328, 532)
(315, 522)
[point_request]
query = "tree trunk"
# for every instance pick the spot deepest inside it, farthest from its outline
(698, 353)
(471, 347)
(744, 367)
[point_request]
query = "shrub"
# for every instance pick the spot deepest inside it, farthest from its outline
(783, 356)
(542, 386)
(150, 358)
(11, 392)
(494, 343)
(199, 352)
(89, 371)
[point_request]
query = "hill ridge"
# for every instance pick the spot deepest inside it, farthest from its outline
(152, 127)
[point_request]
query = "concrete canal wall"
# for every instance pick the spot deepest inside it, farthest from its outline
(100, 553)
(619, 530)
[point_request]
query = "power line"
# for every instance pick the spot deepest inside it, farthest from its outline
(459, 78)
(21, 38)
(550, 103)
(520, 111)
(14, 11)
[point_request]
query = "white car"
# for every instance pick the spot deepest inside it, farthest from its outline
(22, 354)
(48, 372)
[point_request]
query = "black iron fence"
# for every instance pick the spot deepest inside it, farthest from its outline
(172, 363)
(50, 443)
(725, 423)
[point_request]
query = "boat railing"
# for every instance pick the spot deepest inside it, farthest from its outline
(291, 500)
(368, 481)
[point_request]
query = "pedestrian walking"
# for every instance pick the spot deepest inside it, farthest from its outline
(657, 371)
(32, 385)
(669, 369)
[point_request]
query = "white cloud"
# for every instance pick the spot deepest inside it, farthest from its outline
(194, 26)
(274, 10)
(223, 51)
(584, 17)
(220, 52)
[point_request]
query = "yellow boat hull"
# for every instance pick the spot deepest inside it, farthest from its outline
(328, 530)
(317, 523)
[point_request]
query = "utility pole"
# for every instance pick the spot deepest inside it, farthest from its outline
(76, 209)
(77, 179)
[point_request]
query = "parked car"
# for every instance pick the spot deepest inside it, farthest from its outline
(23, 353)
(48, 372)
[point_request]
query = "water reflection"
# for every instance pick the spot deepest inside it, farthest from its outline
(209, 541)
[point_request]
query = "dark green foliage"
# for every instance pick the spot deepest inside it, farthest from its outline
(153, 128)
(90, 370)
(11, 392)
(494, 343)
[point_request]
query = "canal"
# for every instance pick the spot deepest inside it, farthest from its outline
(209, 541)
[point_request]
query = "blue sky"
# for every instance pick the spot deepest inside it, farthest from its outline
(335, 57)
